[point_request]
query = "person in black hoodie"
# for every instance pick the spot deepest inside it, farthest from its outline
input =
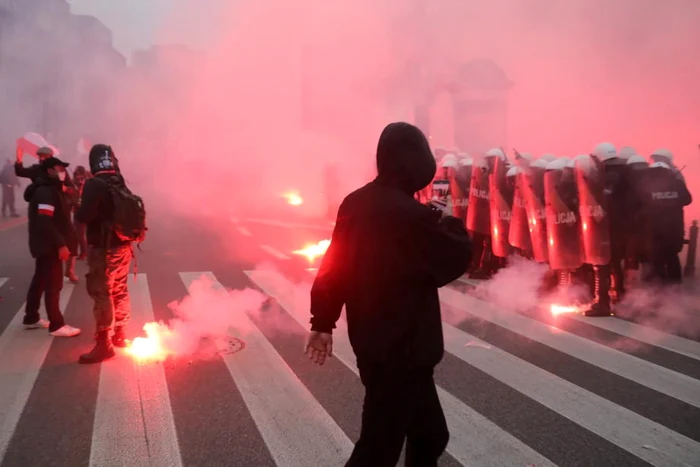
(388, 256)
(51, 240)
(108, 257)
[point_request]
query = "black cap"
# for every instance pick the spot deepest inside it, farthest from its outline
(51, 162)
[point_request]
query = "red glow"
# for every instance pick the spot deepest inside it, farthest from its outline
(563, 309)
(313, 251)
(293, 198)
(151, 347)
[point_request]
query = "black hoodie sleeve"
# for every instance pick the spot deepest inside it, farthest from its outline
(89, 202)
(444, 246)
(327, 292)
(46, 209)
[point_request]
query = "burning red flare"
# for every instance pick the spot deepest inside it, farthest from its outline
(562, 309)
(293, 198)
(313, 251)
(151, 347)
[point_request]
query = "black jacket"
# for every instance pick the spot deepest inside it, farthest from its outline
(31, 172)
(50, 227)
(388, 256)
(96, 209)
(666, 196)
(34, 171)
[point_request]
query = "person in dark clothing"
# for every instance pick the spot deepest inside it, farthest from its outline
(51, 239)
(617, 191)
(9, 182)
(108, 257)
(388, 256)
(667, 195)
(79, 177)
(68, 189)
(33, 171)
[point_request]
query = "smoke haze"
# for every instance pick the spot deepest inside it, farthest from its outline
(267, 95)
(272, 92)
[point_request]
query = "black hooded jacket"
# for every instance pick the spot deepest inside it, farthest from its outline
(388, 256)
(96, 208)
(50, 227)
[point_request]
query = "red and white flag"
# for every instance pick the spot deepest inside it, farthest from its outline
(31, 142)
(45, 210)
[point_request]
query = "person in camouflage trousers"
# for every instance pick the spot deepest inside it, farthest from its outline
(109, 257)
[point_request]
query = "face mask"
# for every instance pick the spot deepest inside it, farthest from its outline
(61, 176)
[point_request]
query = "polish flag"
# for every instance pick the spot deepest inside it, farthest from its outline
(45, 210)
(31, 142)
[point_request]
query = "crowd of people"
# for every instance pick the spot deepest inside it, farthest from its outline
(90, 216)
(593, 219)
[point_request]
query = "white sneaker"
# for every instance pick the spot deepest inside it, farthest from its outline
(66, 331)
(41, 324)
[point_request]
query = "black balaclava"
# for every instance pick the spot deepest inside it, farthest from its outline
(102, 159)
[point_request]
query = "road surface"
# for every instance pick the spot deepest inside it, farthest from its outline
(517, 390)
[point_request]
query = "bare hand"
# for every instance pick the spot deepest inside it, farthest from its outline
(63, 253)
(319, 345)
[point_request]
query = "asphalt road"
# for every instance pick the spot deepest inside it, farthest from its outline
(518, 390)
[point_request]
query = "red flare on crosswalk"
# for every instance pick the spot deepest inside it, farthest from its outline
(313, 251)
(151, 348)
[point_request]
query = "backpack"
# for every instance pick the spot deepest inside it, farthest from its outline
(129, 221)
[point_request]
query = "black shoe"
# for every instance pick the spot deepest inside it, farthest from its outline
(119, 338)
(103, 349)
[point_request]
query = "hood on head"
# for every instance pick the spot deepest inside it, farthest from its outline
(404, 158)
(102, 159)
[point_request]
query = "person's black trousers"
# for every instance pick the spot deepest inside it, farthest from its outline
(666, 264)
(399, 404)
(47, 280)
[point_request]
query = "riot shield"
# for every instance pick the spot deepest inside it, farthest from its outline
(501, 197)
(595, 223)
(459, 189)
(478, 217)
(533, 194)
(563, 222)
(519, 232)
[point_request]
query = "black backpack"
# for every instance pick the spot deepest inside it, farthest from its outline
(129, 221)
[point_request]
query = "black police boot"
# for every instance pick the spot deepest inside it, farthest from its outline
(601, 292)
(103, 349)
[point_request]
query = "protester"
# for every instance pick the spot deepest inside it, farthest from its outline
(79, 177)
(51, 240)
(114, 218)
(9, 182)
(388, 256)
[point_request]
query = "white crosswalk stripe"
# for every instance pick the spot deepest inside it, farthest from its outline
(133, 420)
(302, 416)
(22, 354)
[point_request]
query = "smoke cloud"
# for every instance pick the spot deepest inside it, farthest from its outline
(211, 320)
(273, 93)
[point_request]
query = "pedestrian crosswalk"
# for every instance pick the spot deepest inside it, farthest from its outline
(516, 391)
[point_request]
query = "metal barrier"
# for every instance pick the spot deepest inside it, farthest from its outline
(692, 243)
